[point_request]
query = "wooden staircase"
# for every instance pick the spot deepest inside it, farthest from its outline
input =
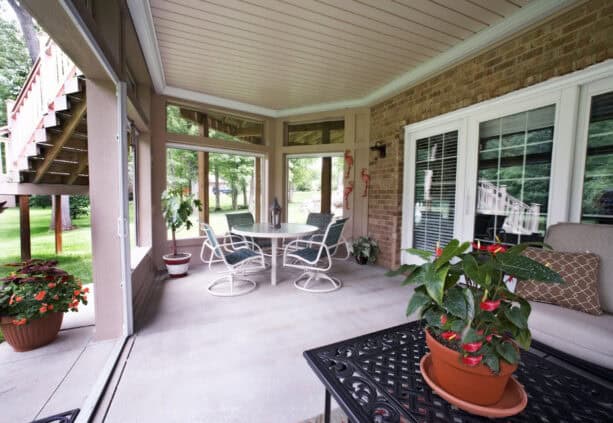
(47, 130)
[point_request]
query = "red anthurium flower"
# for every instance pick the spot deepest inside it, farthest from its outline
(443, 319)
(77, 292)
(478, 247)
(496, 248)
(489, 305)
(438, 251)
(488, 338)
(449, 335)
(472, 360)
(472, 346)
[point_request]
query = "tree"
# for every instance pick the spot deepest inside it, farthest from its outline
(14, 65)
(182, 167)
(30, 35)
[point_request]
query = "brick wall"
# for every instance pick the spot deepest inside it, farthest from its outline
(571, 41)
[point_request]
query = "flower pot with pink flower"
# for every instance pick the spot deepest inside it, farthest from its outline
(475, 326)
(33, 300)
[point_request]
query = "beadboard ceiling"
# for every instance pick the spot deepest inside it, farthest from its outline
(299, 54)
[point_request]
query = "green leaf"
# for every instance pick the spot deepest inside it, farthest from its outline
(507, 352)
(525, 268)
(492, 361)
(470, 304)
(447, 254)
(516, 317)
(418, 300)
(435, 281)
(416, 276)
(470, 335)
(420, 253)
(433, 317)
(455, 303)
(404, 268)
(457, 326)
(524, 338)
(471, 268)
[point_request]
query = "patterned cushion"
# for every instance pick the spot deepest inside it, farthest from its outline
(580, 274)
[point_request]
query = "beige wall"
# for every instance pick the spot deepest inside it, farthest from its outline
(571, 41)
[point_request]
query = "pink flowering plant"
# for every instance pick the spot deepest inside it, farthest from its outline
(464, 299)
(38, 287)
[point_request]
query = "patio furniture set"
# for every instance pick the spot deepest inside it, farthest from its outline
(248, 244)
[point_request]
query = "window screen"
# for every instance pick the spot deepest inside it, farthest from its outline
(514, 176)
(316, 133)
(435, 184)
(597, 205)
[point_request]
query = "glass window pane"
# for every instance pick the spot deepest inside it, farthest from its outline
(513, 177)
(233, 128)
(176, 123)
(597, 204)
(435, 181)
(316, 133)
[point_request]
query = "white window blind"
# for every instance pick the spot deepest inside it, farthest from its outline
(597, 204)
(435, 186)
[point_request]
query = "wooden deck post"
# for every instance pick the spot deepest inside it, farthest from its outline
(24, 227)
(58, 224)
(326, 184)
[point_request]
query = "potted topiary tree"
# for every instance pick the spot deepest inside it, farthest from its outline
(33, 300)
(475, 326)
(177, 209)
(365, 250)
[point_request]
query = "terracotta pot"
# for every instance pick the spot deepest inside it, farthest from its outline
(34, 334)
(178, 265)
(476, 384)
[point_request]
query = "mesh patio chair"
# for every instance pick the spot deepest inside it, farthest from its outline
(244, 219)
(239, 258)
(314, 258)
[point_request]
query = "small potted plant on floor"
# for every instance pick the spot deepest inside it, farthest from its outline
(177, 209)
(33, 300)
(475, 324)
(365, 250)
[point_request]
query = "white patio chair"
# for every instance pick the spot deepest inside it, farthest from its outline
(314, 258)
(239, 258)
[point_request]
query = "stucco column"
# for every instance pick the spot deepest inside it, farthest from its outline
(105, 205)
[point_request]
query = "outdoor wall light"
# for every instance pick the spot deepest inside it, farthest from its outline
(381, 148)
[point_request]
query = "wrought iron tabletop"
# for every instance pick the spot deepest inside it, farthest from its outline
(376, 378)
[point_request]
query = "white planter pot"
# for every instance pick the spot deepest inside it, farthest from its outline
(177, 266)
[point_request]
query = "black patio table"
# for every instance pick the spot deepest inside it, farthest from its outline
(376, 378)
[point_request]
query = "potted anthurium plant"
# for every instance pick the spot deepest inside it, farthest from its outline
(475, 326)
(365, 250)
(33, 300)
(177, 209)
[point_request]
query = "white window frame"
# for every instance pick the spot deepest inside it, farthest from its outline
(587, 92)
(408, 200)
(563, 92)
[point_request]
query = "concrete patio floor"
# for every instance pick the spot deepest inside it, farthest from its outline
(53, 378)
(201, 358)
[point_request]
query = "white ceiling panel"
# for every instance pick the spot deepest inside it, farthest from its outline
(294, 54)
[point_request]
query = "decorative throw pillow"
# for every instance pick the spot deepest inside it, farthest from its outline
(580, 274)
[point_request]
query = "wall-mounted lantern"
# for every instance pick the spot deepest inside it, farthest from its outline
(381, 148)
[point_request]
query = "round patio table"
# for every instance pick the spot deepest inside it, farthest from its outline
(267, 230)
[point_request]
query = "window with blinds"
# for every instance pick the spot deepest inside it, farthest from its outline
(597, 204)
(435, 186)
(514, 176)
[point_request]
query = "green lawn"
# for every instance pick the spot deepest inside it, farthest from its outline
(76, 257)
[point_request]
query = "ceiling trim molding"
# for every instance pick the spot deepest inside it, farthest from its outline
(522, 19)
(140, 10)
